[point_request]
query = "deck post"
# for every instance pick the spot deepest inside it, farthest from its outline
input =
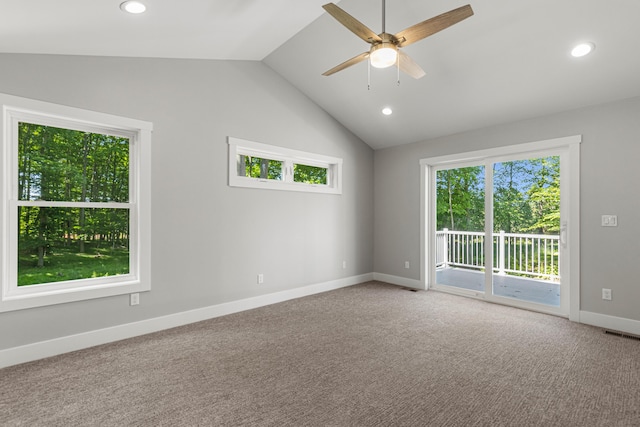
(501, 253)
(445, 248)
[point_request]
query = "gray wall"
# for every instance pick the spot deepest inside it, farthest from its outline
(209, 240)
(610, 152)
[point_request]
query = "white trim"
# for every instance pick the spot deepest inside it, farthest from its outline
(573, 231)
(40, 350)
(524, 148)
(49, 348)
(267, 150)
(87, 205)
(289, 158)
(399, 281)
(62, 114)
(613, 323)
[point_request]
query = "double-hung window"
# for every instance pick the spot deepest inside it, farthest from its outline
(75, 187)
(258, 165)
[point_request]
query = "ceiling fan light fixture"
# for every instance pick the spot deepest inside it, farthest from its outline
(134, 7)
(383, 55)
(387, 111)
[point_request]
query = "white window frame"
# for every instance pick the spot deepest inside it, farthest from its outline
(288, 157)
(16, 109)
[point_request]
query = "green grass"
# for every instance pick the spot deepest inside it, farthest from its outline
(68, 264)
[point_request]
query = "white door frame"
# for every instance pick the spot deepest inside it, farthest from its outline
(569, 149)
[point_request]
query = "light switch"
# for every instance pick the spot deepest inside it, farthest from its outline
(609, 220)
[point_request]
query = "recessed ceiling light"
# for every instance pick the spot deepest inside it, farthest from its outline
(133, 7)
(583, 49)
(387, 111)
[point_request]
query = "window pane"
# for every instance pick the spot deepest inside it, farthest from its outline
(68, 165)
(57, 244)
(309, 174)
(256, 167)
(460, 199)
(460, 257)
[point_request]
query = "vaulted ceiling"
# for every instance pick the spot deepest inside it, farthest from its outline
(509, 61)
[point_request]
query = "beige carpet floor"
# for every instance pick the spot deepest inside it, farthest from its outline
(367, 355)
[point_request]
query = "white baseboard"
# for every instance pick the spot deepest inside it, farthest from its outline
(399, 281)
(40, 350)
(610, 322)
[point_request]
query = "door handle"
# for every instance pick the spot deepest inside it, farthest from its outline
(563, 234)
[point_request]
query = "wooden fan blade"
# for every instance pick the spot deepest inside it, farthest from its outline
(352, 24)
(431, 26)
(347, 63)
(409, 66)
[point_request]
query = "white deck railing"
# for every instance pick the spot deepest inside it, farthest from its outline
(524, 254)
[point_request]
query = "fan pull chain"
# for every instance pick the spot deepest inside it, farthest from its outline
(369, 74)
(398, 67)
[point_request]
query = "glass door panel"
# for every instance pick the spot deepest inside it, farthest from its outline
(460, 228)
(526, 230)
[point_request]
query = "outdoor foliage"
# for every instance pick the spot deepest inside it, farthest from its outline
(544, 196)
(460, 204)
(64, 165)
(526, 200)
(256, 167)
(526, 197)
(309, 174)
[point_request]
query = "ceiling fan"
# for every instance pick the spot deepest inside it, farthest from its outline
(385, 48)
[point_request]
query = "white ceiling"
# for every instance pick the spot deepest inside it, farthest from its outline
(509, 61)
(206, 29)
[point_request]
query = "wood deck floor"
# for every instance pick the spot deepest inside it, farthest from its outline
(532, 290)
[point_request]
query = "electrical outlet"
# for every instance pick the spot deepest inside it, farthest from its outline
(260, 279)
(134, 299)
(344, 264)
(609, 220)
(606, 294)
(406, 264)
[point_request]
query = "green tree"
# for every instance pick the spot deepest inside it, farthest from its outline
(460, 198)
(544, 196)
(56, 164)
(257, 167)
(511, 211)
(526, 197)
(309, 174)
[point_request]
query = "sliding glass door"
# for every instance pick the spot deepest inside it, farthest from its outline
(497, 228)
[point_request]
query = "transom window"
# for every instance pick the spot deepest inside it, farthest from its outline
(75, 189)
(257, 165)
